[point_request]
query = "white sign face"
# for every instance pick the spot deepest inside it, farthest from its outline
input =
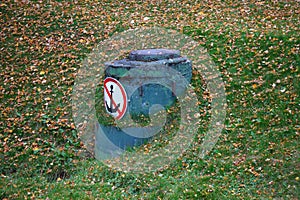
(115, 98)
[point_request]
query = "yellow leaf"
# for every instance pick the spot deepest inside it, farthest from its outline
(42, 72)
(201, 13)
(35, 149)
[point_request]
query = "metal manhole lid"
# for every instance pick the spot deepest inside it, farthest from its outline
(148, 55)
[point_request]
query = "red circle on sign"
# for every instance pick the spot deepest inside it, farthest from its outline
(123, 103)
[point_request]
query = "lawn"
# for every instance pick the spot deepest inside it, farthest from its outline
(254, 44)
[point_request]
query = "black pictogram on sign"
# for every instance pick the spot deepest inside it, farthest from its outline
(115, 98)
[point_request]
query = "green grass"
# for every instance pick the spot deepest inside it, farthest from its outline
(255, 46)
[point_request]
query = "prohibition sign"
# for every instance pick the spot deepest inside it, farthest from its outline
(115, 98)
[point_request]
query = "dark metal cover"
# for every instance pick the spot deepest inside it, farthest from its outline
(148, 55)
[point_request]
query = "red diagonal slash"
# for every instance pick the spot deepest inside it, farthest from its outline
(109, 95)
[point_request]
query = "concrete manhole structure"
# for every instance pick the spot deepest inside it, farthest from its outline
(140, 94)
